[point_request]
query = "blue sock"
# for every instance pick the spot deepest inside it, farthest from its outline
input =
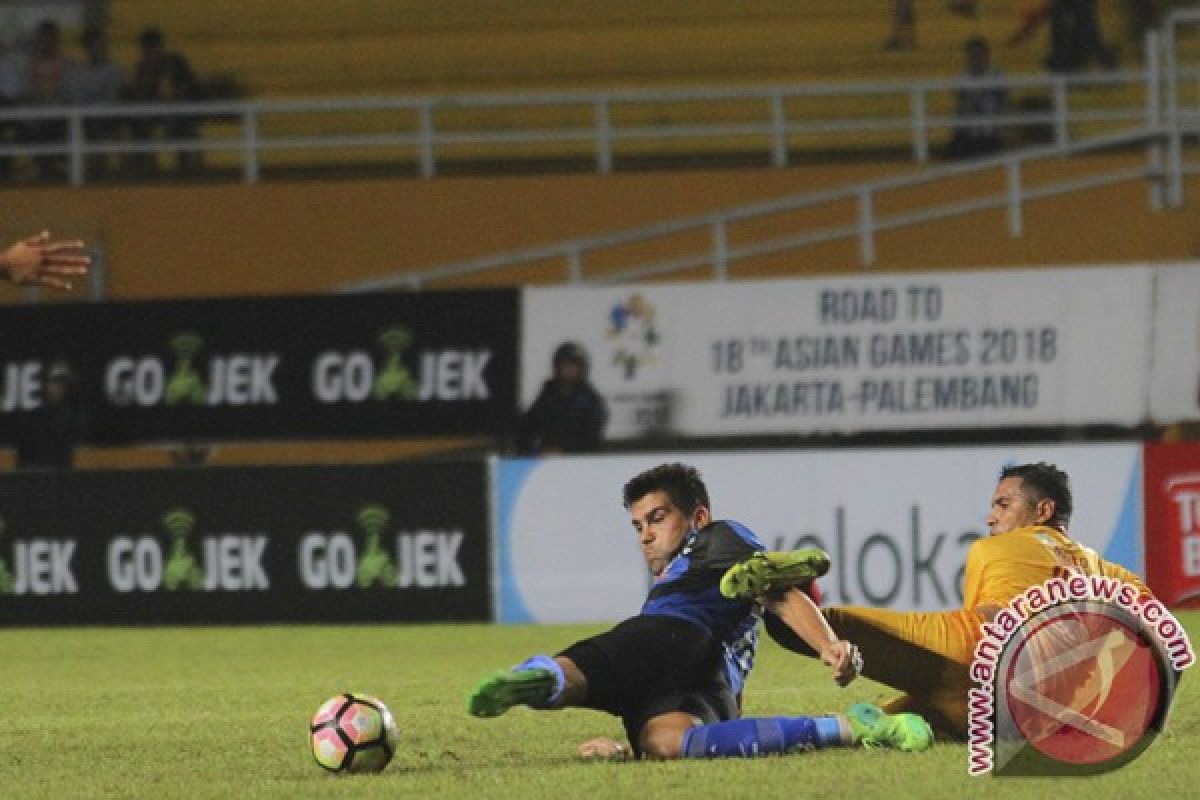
(761, 736)
(546, 662)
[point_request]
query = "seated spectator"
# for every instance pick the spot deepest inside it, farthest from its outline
(94, 82)
(568, 415)
(48, 68)
(164, 76)
(974, 134)
(13, 91)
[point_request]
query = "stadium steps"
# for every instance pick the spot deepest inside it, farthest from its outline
(373, 47)
(468, 45)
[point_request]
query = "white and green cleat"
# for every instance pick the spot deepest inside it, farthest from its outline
(763, 572)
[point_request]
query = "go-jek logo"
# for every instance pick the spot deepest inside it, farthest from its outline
(422, 559)
(20, 386)
(40, 567)
(230, 562)
(447, 375)
(230, 379)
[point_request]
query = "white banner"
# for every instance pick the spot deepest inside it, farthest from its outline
(887, 352)
(896, 522)
(1175, 382)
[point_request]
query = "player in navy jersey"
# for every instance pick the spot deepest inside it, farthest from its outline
(675, 672)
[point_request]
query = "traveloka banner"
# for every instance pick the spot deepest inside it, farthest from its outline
(884, 352)
(897, 523)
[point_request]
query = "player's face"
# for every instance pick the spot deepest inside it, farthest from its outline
(661, 528)
(1012, 508)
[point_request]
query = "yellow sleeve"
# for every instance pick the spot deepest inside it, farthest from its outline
(973, 573)
(1126, 576)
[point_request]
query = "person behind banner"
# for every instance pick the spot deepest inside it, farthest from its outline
(569, 415)
(675, 672)
(928, 655)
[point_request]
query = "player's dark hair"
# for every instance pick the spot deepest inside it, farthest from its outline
(1044, 481)
(681, 483)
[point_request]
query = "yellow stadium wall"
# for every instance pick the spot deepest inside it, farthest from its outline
(188, 241)
(276, 238)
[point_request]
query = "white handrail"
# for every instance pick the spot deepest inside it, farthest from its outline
(1153, 131)
(426, 134)
(720, 255)
(1157, 122)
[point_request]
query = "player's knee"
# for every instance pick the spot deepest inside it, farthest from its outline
(661, 745)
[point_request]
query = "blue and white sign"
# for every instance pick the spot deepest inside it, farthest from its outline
(897, 523)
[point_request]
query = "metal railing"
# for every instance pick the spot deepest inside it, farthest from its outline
(1160, 120)
(721, 256)
(1158, 131)
(605, 124)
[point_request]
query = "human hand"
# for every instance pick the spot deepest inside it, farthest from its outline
(845, 659)
(603, 749)
(37, 261)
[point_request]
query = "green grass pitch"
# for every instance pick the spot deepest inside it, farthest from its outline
(223, 713)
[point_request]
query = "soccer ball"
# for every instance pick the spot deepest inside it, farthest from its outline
(353, 732)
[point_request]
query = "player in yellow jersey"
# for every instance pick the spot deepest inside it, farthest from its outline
(927, 655)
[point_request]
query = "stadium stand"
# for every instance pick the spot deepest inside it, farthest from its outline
(380, 46)
(288, 232)
(373, 47)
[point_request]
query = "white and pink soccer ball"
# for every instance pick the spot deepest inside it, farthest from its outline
(353, 732)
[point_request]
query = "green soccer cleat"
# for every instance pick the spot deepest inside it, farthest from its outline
(907, 732)
(762, 572)
(498, 693)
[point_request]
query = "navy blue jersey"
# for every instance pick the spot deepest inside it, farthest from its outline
(689, 588)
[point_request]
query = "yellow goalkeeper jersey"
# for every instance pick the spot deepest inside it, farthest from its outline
(1002, 566)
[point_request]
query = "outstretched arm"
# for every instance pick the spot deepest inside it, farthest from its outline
(38, 261)
(797, 610)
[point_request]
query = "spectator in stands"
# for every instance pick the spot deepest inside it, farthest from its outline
(568, 415)
(164, 76)
(1075, 39)
(48, 68)
(904, 21)
(974, 133)
(13, 91)
(50, 433)
(96, 81)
